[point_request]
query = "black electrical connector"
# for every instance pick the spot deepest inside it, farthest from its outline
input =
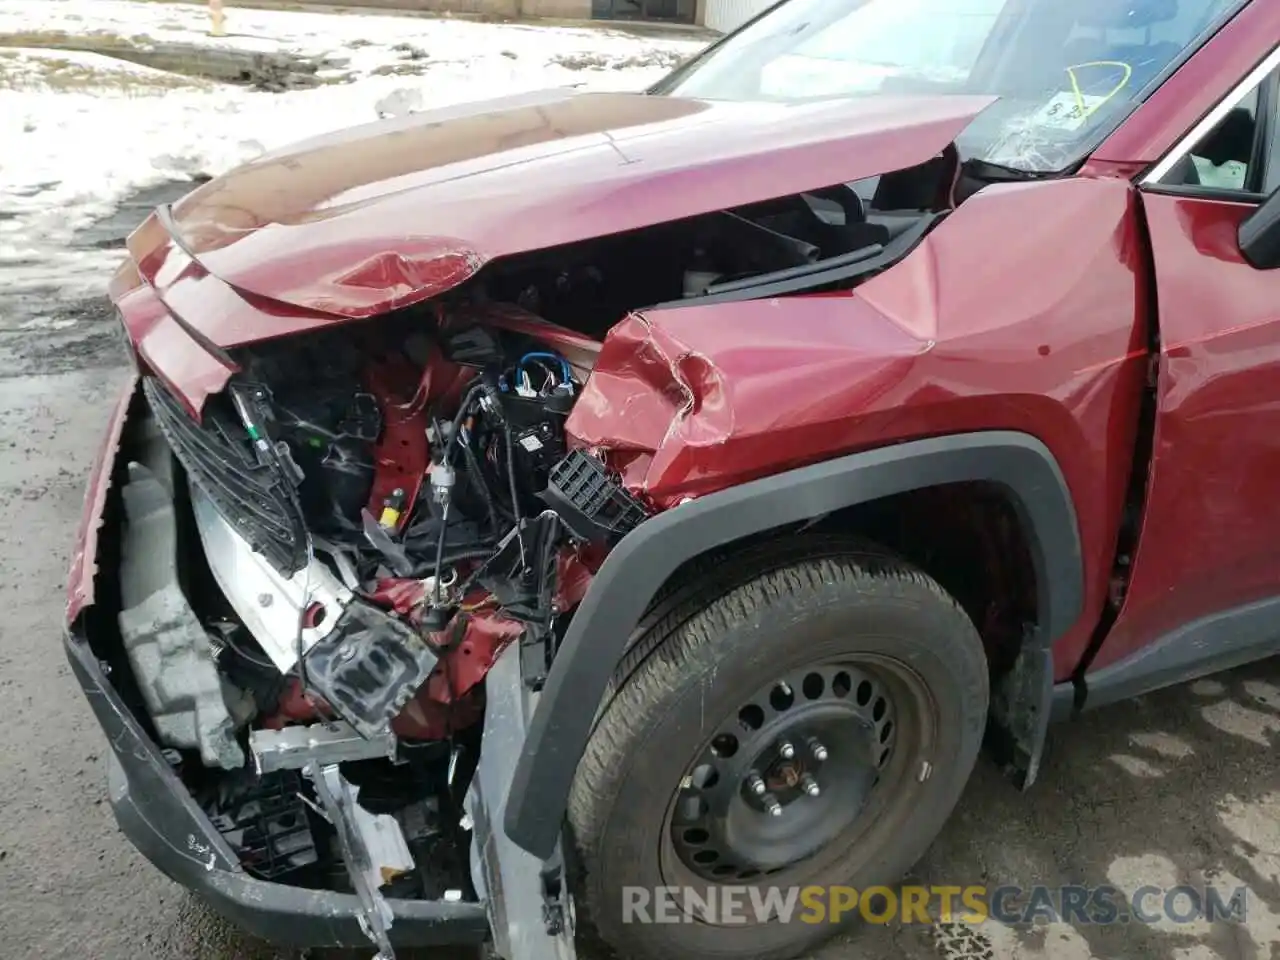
(473, 347)
(591, 504)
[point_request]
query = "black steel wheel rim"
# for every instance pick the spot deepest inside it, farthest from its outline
(811, 757)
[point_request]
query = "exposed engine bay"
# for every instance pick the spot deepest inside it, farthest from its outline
(381, 514)
(590, 285)
(319, 571)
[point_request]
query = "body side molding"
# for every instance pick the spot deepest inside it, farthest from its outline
(1220, 641)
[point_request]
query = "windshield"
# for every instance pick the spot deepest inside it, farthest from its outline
(1066, 71)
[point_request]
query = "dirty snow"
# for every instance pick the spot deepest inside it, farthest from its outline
(83, 131)
(1231, 717)
(1165, 744)
(1136, 766)
(367, 43)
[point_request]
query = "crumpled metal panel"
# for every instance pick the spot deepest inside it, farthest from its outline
(84, 558)
(168, 648)
(1023, 310)
(267, 602)
(376, 218)
(691, 399)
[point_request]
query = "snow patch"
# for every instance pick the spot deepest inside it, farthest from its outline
(83, 147)
(1267, 694)
(1230, 717)
(1208, 688)
(1136, 766)
(1149, 869)
(1165, 744)
(1256, 824)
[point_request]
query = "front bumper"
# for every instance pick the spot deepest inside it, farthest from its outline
(157, 814)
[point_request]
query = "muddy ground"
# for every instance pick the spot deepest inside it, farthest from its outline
(1179, 787)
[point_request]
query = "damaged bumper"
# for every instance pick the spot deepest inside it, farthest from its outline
(157, 810)
(157, 814)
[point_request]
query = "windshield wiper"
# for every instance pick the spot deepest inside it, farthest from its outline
(990, 172)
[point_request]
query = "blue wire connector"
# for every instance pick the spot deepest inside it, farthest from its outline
(565, 373)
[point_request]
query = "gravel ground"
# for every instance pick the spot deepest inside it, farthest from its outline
(1178, 787)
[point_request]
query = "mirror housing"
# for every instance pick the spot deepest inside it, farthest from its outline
(1259, 235)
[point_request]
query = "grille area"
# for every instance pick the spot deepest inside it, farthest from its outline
(217, 456)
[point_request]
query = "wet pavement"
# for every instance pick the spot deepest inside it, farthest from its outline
(1180, 787)
(43, 330)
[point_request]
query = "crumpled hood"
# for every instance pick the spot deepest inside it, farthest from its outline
(384, 215)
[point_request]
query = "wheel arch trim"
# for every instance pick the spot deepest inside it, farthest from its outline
(638, 566)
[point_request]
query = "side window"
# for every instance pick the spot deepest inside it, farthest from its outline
(1228, 156)
(1272, 180)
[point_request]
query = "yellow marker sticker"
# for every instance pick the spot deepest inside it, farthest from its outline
(1098, 101)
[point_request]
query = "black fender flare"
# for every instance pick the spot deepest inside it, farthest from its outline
(643, 560)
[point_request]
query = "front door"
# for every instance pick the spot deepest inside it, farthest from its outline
(1210, 540)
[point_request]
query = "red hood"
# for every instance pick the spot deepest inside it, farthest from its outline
(384, 215)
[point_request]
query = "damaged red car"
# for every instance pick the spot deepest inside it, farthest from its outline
(537, 500)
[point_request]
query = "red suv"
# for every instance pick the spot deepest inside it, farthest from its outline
(539, 499)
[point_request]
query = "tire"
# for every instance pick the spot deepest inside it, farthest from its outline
(856, 618)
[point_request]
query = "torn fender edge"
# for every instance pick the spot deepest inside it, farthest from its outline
(84, 560)
(686, 401)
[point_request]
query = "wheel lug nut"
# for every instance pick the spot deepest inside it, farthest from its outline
(818, 750)
(810, 785)
(784, 688)
(786, 750)
(755, 784)
(772, 805)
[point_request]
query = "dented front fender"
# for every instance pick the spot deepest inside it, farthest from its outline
(968, 331)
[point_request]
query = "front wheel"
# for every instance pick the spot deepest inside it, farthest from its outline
(812, 724)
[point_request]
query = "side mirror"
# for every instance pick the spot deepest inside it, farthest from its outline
(1259, 235)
